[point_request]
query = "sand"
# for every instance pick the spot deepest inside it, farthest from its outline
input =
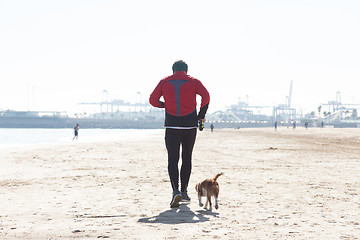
(289, 184)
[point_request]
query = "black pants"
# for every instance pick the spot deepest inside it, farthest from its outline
(173, 139)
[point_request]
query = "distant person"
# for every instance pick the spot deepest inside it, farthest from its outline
(181, 121)
(276, 126)
(306, 125)
(294, 125)
(322, 124)
(76, 131)
(212, 127)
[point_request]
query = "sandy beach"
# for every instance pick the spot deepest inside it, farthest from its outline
(289, 184)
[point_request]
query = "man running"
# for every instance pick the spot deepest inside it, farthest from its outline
(181, 120)
(212, 127)
(76, 131)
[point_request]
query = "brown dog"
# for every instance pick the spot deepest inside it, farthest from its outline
(208, 188)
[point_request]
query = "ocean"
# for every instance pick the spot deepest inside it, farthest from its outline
(17, 137)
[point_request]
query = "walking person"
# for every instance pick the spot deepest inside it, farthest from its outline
(76, 131)
(181, 121)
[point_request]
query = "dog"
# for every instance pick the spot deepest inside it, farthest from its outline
(208, 188)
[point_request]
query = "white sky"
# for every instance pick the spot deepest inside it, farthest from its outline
(56, 54)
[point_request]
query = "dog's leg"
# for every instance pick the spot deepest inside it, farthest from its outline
(206, 203)
(216, 202)
(200, 203)
(198, 190)
(209, 199)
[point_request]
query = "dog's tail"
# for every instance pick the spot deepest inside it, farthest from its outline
(217, 175)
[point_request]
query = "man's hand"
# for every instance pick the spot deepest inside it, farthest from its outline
(202, 120)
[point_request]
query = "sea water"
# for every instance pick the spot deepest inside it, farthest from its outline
(14, 137)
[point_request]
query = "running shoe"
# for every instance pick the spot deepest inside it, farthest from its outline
(185, 197)
(176, 198)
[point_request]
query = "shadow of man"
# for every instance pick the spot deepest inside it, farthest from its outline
(183, 214)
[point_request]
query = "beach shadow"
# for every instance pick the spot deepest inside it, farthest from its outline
(183, 214)
(207, 212)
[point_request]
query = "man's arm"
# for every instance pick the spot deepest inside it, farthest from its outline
(156, 95)
(205, 100)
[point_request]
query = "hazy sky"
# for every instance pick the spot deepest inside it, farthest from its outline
(56, 54)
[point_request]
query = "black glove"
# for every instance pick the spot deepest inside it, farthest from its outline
(201, 125)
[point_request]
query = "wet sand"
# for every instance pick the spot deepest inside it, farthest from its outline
(302, 184)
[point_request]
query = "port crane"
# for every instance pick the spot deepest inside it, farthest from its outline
(285, 112)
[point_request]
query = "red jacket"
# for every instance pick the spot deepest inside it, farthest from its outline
(179, 92)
